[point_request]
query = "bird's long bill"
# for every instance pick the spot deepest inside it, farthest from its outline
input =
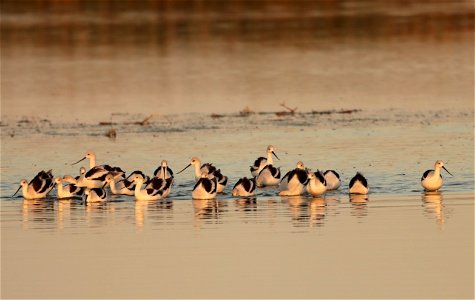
(79, 161)
(16, 191)
(447, 171)
(275, 155)
(184, 169)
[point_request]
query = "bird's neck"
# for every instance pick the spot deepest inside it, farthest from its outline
(138, 186)
(269, 158)
(92, 162)
(112, 186)
(198, 171)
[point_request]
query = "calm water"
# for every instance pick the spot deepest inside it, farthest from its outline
(407, 69)
(399, 243)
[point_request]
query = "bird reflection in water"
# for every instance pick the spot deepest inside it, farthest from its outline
(39, 212)
(433, 206)
(209, 210)
(318, 209)
(246, 204)
(99, 214)
(358, 205)
(63, 212)
(152, 208)
(299, 210)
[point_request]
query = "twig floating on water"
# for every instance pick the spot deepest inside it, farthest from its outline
(216, 116)
(289, 112)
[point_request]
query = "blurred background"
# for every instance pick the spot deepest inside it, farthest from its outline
(84, 60)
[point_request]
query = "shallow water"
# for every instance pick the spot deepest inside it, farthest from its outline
(381, 88)
(398, 243)
(389, 247)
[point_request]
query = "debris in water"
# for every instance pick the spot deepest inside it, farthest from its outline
(111, 133)
(246, 112)
(289, 112)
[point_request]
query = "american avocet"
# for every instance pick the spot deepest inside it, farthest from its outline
(121, 187)
(245, 187)
(163, 169)
(38, 187)
(317, 185)
(95, 195)
(261, 162)
(268, 176)
(358, 184)
(210, 170)
(333, 179)
(205, 188)
(68, 191)
(97, 172)
(293, 183)
(431, 179)
(147, 194)
(164, 185)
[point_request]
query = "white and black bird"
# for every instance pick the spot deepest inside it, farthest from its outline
(293, 183)
(432, 179)
(245, 187)
(95, 195)
(358, 184)
(162, 183)
(146, 194)
(317, 184)
(205, 188)
(38, 187)
(68, 191)
(95, 176)
(261, 162)
(268, 176)
(163, 169)
(209, 170)
(333, 179)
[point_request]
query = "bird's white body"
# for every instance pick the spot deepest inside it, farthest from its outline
(95, 195)
(433, 182)
(118, 188)
(358, 188)
(332, 179)
(269, 176)
(316, 185)
(244, 188)
(67, 191)
(294, 182)
(145, 194)
(358, 185)
(205, 188)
